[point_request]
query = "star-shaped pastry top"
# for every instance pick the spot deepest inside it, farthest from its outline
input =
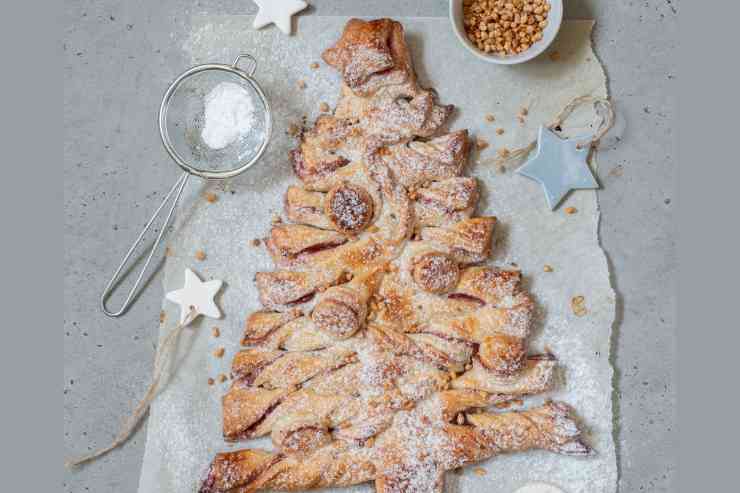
(560, 165)
(197, 295)
(277, 12)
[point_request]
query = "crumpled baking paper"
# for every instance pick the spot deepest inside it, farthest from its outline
(184, 429)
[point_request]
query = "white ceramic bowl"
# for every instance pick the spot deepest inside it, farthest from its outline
(554, 19)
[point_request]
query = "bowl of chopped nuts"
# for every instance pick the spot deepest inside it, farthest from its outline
(506, 32)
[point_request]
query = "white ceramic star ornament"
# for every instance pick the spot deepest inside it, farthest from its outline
(560, 165)
(197, 295)
(277, 12)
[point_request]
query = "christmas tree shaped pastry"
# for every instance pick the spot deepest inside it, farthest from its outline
(384, 344)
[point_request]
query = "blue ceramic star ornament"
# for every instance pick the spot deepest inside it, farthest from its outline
(560, 166)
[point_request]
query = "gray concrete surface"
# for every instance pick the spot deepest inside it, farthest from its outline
(118, 58)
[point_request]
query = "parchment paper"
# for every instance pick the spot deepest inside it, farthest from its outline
(184, 429)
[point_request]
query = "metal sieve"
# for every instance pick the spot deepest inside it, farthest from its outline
(181, 121)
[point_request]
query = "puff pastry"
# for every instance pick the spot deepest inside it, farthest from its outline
(383, 342)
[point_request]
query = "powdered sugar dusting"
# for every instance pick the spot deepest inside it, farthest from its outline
(229, 115)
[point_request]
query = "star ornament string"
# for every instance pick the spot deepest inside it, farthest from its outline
(195, 299)
(604, 122)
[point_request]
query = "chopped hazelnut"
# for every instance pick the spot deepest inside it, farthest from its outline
(219, 353)
(301, 84)
(256, 242)
(314, 65)
(324, 108)
(499, 131)
(211, 197)
(578, 305)
(479, 471)
(481, 143)
(200, 255)
(222, 378)
(490, 118)
(215, 332)
(547, 268)
(162, 316)
(504, 27)
(211, 381)
(570, 210)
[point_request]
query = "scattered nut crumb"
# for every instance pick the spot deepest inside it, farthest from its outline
(222, 378)
(501, 169)
(503, 152)
(570, 210)
(314, 65)
(276, 219)
(618, 170)
(200, 255)
(555, 56)
(479, 471)
(578, 305)
(162, 317)
(256, 242)
(547, 268)
(211, 381)
(211, 197)
(301, 84)
(324, 108)
(490, 118)
(524, 111)
(167, 252)
(481, 143)
(521, 119)
(219, 353)
(499, 131)
(216, 332)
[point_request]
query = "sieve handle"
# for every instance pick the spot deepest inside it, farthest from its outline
(252, 66)
(176, 190)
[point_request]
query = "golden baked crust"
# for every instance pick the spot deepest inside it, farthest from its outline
(383, 343)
